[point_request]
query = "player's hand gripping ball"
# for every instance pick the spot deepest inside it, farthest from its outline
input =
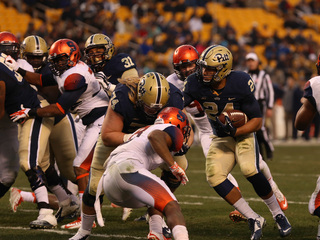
(237, 117)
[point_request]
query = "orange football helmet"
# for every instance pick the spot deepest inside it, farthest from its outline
(63, 55)
(183, 56)
(176, 117)
(9, 44)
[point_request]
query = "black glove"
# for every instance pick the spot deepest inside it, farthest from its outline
(227, 128)
(183, 150)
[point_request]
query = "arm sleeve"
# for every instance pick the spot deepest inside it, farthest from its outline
(176, 137)
(69, 98)
(48, 80)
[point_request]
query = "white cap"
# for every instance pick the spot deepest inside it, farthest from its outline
(252, 56)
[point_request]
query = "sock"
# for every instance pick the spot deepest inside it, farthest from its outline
(264, 168)
(80, 198)
(273, 206)
(28, 196)
(42, 194)
(59, 192)
(180, 232)
(242, 206)
(155, 223)
(87, 221)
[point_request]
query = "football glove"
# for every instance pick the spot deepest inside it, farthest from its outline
(107, 86)
(183, 150)
(11, 63)
(20, 115)
(179, 173)
(226, 128)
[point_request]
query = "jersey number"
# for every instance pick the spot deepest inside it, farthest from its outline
(127, 62)
(211, 109)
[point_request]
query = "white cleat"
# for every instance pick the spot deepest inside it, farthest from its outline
(126, 212)
(156, 236)
(81, 235)
(45, 220)
(15, 198)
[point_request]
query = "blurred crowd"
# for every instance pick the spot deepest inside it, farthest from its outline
(290, 60)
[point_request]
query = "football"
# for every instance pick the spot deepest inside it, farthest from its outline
(237, 117)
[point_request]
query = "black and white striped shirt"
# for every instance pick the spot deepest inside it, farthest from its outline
(264, 88)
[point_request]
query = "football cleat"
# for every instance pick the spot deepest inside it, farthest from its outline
(142, 218)
(236, 216)
(156, 236)
(15, 198)
(255, 226)
(283, 225)
(76, 224)
(166, 232)
(314, 201)
(126, 212)
(81, 235)
(45, 220)
(280, 197)
(68, 208)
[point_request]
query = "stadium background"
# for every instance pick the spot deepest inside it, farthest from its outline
(284, 34)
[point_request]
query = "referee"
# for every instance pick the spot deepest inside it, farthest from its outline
(265, 95)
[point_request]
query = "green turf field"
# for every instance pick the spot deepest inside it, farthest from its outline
(294, 168)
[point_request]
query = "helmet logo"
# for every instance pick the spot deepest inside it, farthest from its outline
(142, 90)
(222, 58)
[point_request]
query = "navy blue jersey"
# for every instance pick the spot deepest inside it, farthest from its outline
(117, 65)
(18, 91)
(133, 116)
(237, 94)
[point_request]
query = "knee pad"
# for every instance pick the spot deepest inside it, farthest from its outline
(9, 178)
(224, 188)
(36, 178)
(52, 176)
(260, 184)
(89, 199)
(171, 181)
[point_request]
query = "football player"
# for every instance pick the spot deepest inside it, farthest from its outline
(34, 50)
(304, 117)
(128, 180)
(108, 67)
(33, 133)
(133, 104)
(217, 88)
(185, 60)
(81, 94)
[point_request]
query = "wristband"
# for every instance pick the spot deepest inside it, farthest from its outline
(33, 112)
(22, 72)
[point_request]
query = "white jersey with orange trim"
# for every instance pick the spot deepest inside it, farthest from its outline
(139, 150)
(93, 97)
